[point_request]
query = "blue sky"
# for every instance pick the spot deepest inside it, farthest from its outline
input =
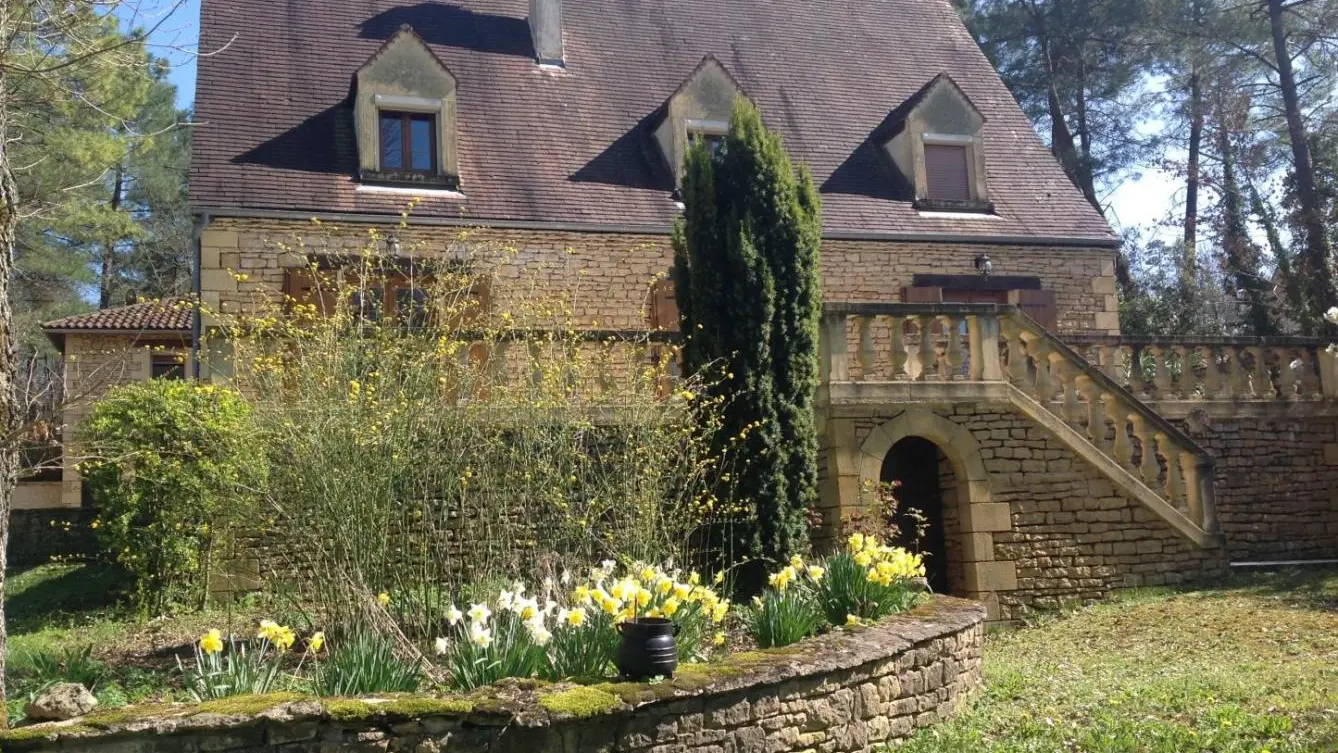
(1142, 202)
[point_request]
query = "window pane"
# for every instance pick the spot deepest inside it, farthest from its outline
(411, 307)
(947, 173)
(392, 142)
(420, 149)
(367, 304)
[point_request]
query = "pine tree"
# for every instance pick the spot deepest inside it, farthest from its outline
(746, 275)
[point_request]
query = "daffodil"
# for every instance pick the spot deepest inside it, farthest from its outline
(670, 607)
(856, 542)
(211, 642)
(797, 562)
(718, 640)
(479, 614)
(573, 618)
(440, 646)
(383, 598)
(316, 642)
(852, 621)
(453, 615)
(816, 573)
(719, 577)
(479, 635)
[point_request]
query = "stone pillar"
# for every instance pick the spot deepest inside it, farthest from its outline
(839, 494)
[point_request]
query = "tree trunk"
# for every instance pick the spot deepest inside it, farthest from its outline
(1241, 255)
(9, 219)
(1286, 270)
(108, 276)
(1314, 268)
(1189, 260)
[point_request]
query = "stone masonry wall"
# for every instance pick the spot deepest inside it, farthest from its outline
(1277, 485)
(611, 274)
(843, 692)
(1073, 537)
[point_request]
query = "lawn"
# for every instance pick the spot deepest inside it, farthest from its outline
(1247, 666)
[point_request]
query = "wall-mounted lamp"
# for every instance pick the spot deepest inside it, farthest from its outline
(984, 266)
(393, 244)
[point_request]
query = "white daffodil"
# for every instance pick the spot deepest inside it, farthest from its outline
(440, 645)
(479, 614)
(454, 615)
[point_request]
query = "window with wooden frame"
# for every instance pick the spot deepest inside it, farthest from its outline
(408, 142)
(948, 171)
(391, 296)
(167, 366)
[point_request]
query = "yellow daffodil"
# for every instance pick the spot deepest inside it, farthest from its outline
(670, 607)
(864, 559)
(575, 618)
(383, 598)
(856, 542)
(316, 642)
(682, 591)
(211, 642)
(852, 621)
(718, 639)
(642, 597)
(719, 577)
(816, 573)
(797, 562)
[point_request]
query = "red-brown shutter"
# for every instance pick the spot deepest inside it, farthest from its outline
(946, 172)
(663, 307)
(1040, 306)
(922, 295)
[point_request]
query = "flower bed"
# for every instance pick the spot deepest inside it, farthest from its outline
(841, 691)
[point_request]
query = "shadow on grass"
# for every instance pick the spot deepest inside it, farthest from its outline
(54, 594)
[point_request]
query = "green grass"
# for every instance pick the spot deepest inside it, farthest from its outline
(1246, 667)
(55, 610)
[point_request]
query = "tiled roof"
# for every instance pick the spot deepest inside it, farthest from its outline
(173, 315)
(572, 146)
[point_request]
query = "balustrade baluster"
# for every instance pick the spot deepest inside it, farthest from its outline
(1017, 359)
(975, 348)
(1235, 378)
(1212, 378)
(1309, 375)
(1119, 418)
(1161, 375)
(867, 352)
(952, 352)
(898, 356)
(1138, 384)
(1044, 388)
(1096, 415)
(1286, 377)
(1186, 383)
(836, 358)
(1174, 483)
(928, 358)
(1260, 384)
(1068, 395)
(1148, 458)
(1189, 471)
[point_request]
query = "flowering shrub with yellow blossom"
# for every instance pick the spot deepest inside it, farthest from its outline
(428, 428)
(235, 667)
(569, 628)
(867, 581)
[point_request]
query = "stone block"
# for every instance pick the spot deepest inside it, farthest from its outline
(978, 547)
(991, 576)
(989, 516)
(1107, 320)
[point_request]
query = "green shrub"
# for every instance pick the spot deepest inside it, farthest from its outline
(172, 465)
(364, 663)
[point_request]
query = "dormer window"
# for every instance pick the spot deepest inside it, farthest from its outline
(947, 169)
(700, 109)
(404, 113)
(408, 142)
(934, 140)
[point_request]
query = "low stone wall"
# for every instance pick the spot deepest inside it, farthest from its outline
(842, 692)
(37, 537)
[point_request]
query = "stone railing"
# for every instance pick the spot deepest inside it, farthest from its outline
(882, 343)
(843, 692)
(1216, 369)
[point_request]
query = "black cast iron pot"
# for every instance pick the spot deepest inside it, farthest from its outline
(648, 648)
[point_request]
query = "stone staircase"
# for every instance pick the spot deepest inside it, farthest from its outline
(894, 354)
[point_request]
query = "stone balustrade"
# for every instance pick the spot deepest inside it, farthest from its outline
(891, 344)
(1216, 369)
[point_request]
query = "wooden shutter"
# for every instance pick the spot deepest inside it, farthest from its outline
(946, 172)
(922, 295)
(1040, 306)
(663, 307)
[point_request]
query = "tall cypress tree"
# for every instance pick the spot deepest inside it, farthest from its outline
(746, 276)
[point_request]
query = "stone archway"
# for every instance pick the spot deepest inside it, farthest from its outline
(983, 577)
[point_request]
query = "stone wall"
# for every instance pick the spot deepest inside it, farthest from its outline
(37, 537)
(842, 692)
(1277, 484)
(609, 276)
(1043, 528)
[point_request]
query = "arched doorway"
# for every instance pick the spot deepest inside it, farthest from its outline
(924, 479)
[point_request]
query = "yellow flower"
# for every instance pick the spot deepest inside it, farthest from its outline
(719, 577)
(864, 558)
(694, 578)
(719, 611)
(856, 542)
(211, 642)
(576, 617)
(670, 607)
(283, 638)
(682, 591)
(648, 573)
(718, 640)
(815, 573)
(797, 562)
(383, 598)
(316, 642)
(664, 586)
(642, 597)
(852, 621)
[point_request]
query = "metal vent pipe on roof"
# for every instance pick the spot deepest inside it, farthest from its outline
(546, 30)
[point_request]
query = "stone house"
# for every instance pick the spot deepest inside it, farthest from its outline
(972, 347)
